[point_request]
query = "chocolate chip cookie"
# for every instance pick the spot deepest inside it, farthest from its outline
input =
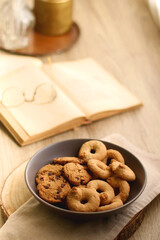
(48, 172)
(55, 190)
(64, 160)
(76, 173)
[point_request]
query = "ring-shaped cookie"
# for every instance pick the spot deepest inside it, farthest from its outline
(83, 199)
(115, 203)
(116, 155)
(122, 171)
(99, 168)
(122, 185)
(92, 149)
(105, 160)
(106, 192)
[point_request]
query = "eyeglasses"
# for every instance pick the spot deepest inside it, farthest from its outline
(14, 97)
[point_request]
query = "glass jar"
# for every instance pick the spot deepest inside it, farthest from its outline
(16, 20)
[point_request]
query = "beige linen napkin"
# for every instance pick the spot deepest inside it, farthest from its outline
(34, 221)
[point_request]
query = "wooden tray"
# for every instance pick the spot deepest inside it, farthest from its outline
(43, 45)
(15, 193)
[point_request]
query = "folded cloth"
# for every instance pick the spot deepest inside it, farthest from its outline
(34, 221)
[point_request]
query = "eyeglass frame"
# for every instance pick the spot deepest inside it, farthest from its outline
(24, 95)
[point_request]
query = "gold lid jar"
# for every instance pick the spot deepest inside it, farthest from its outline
(53, 17)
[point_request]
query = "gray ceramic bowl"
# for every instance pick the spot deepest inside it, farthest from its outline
(71, 148)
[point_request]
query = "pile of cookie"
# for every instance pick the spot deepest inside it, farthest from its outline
(96, 180)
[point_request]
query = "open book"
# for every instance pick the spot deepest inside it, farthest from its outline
(38, 101)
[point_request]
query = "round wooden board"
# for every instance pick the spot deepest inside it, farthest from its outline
(15, 193)
(40, 45)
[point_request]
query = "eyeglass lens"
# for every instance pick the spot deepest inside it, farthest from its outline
(13, 97)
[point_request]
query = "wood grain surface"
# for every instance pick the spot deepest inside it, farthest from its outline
(121, 36)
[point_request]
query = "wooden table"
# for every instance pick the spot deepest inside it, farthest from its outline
(123, 38)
